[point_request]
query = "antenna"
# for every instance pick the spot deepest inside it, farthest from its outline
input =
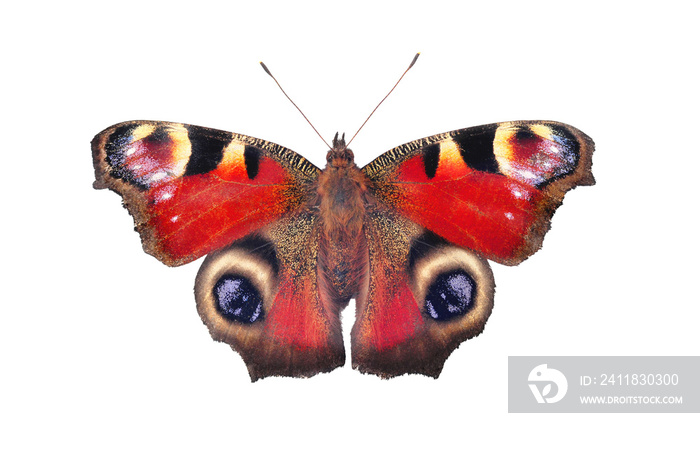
(295, 105)
(415, 58)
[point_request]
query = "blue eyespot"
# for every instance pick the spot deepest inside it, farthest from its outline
(237, 299)
(451, 295)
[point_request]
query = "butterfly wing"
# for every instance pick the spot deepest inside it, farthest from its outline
(193, 190)
(442, 204)
(261, 296)
(422, 297)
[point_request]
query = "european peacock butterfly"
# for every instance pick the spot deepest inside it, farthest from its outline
(289, 244)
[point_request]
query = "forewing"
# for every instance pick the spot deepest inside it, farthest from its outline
(192, 190)
(492, 189)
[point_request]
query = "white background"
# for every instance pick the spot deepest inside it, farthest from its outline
(105, 363)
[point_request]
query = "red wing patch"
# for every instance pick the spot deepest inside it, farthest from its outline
(387, 313)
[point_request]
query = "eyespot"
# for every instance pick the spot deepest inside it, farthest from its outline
(451, 295)
(453, 286)
(235, 289)
(237, 299)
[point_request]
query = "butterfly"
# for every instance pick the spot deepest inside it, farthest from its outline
(288, 245)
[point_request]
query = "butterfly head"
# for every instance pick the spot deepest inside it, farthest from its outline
(340, 155)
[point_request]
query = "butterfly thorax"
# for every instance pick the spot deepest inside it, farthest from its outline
(342, 196)
(342, 193)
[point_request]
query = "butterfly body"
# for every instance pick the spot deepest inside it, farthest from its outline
(342, 201)
(289, 244)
